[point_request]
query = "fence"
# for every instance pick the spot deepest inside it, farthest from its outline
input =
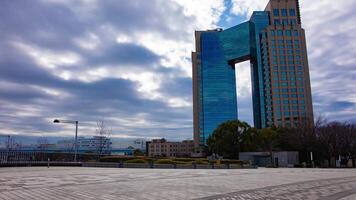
(17, 156)
(23, 158)
(166, 166)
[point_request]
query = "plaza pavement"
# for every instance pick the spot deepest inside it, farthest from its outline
(77, 183)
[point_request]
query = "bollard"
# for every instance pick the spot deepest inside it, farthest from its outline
(48, 162)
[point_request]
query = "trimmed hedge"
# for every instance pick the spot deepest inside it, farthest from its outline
(184, 159)
(201, 162)
(237, 162)
(171, 161)
(117, 159)
(187, 161)
(136, 161)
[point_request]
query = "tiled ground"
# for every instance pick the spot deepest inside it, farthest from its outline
(98, 183)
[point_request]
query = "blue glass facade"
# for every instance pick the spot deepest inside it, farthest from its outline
(217, 86)
(274, 42)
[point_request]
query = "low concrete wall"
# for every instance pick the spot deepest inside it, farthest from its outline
(125, 165)
(39, 163)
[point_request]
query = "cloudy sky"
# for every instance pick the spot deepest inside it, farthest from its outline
(127, 62)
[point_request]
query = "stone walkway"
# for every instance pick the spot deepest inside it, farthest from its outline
(98, 183)
(328, 189)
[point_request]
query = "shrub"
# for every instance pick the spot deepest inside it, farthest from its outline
(136, 161)
(237, 162)
(184, 159)
(164, 161)
(201, 162)
(123, 158)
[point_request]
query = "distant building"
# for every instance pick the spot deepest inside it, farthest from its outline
(263, 159)
(139, 144)
(163, 148)
(96, 144)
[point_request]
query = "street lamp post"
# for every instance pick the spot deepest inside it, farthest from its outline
(76, 134)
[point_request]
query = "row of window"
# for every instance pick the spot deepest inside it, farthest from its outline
(300, 68)
(287, 124)
(288, 46)
(290, 57)
(286, 96)
(285, 102)
(284, 84)
(283, 72)
(287, 114)
(285, 22)
(284, 12)
(282, 51)
(285, 78)
(290, 62)
(285, 33)
(284, 41)
(287, 90)
(294, 108)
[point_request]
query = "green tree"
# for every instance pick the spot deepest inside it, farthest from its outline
(227, 138)
(269, 139)
(138, 152)
(251, 141)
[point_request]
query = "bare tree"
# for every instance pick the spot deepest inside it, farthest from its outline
(103, 135)
(42, 144)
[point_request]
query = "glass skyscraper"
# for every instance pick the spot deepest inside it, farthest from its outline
(274, 42)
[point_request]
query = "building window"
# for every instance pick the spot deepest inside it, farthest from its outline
(288, 33)
(285, 22)
(296, 33)
(292, 12)
(284, 12)
(275, 12)
(272, 33)
(280, 33)
(277, 22)
(293, 21)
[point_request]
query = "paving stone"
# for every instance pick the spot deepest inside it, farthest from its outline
(129, 184)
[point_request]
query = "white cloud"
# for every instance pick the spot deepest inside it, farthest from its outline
(47, 58)
(207, 13)
(245, 8)
(331, 45)
(89, 42)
